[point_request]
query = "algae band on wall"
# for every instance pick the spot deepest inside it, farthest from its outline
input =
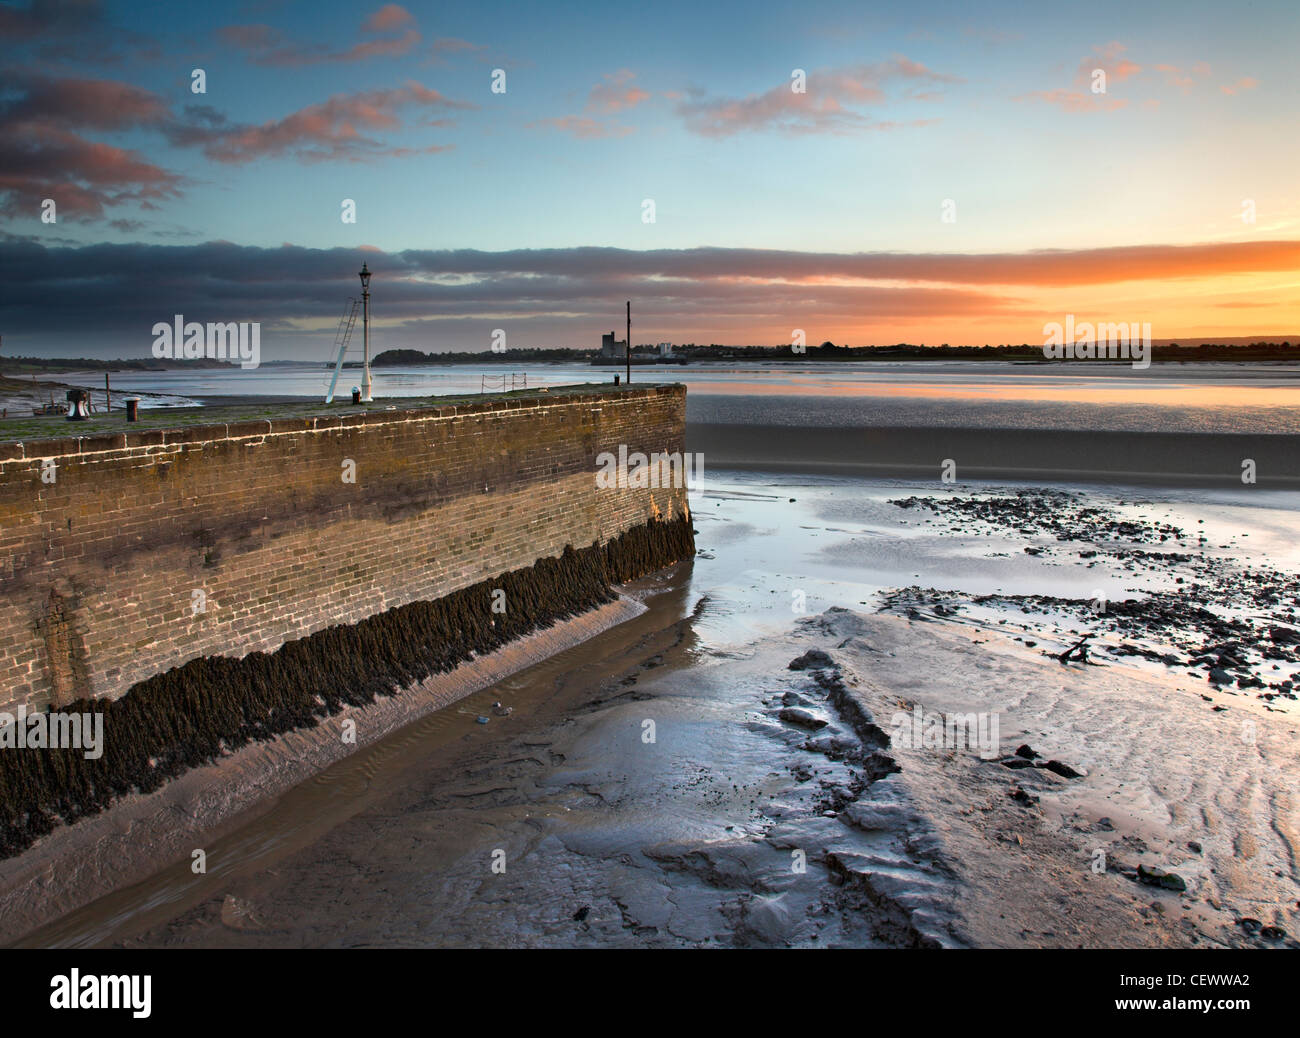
(211, 706)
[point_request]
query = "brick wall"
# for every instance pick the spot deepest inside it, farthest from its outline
(98, 570)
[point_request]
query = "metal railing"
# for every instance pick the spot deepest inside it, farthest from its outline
(503, 383)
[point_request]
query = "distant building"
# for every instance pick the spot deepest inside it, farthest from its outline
(612, 348)
(665, 349)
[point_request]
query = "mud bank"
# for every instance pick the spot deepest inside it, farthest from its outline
(1037, 455)
(777, 807)
(76, 864)
(1167, 826)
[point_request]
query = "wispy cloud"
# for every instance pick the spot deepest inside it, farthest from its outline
(333, 129)
(1184, 79)
(388, 18)
(265, 45)
(1110, 59)
(616, 93)
(1244, 83)
(1075, 100)
(581, 126)
(831, 103)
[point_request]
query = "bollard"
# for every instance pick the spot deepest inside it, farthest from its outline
(616, 378)
(132, 408)
(77, 401)
(356, 395)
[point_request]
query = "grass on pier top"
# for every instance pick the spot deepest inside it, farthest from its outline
(251, 408)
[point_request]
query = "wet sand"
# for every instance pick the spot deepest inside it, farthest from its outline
(128, 843)
(743, 825)
(1032, 455)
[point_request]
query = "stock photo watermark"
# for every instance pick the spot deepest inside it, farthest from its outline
(191, 340)
(1105, 341)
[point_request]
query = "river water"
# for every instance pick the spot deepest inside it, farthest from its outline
(971, 394)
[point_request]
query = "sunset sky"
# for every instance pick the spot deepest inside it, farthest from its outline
(524, 210)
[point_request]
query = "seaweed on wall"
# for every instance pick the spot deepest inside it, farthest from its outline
(211, 706)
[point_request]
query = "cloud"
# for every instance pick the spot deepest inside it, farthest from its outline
(445, 45)
(39, 18)
(616, 93)
(44, 122)
(331, 130)
(1244, 83)
(44, 156)
(82, 177)
(110, 293)
(72, 31)
(1109, 58)
(1074, 101)
(828, 106)
(581, 126)
(387, 19)
(99, 104)
(265, 45)
(1184, 79)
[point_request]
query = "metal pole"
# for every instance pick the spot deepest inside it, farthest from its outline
(365, 312)
(108, 394)
(629, 342)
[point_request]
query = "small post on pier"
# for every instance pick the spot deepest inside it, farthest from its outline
(628, 344)
(365, 333)
(108, 394)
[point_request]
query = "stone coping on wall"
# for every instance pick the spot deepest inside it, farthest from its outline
(67, 446)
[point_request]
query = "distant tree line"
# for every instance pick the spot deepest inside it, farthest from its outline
(14, 365)
(409, 358)
(1024, 351)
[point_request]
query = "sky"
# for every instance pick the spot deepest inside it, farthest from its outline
(863, 173)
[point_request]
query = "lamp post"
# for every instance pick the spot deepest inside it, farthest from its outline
(366, 398)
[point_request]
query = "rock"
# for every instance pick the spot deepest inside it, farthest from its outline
(1016, 762)
(811, 659)
(1157, 877)
(581, 913)
(1220, 676)
(502, 711)
(1025, 751)
(1193, 846)
(1273, 933)
(803, 718)
(1064, 770)
(1251, 926)
(239, 915)
(1020, 796)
